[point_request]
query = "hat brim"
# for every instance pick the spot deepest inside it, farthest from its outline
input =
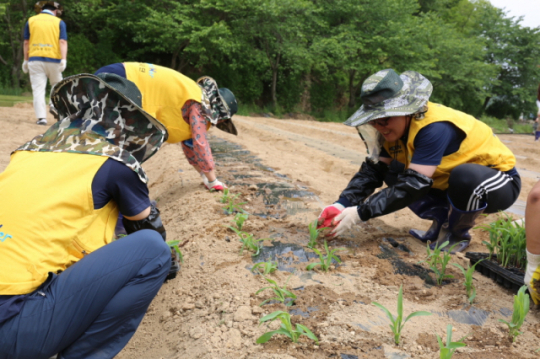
(412, 97)
(227, 126)
(66, 107)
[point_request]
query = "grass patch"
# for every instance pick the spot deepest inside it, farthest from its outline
(502, 126)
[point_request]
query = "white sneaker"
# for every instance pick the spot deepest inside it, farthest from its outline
(42, 121)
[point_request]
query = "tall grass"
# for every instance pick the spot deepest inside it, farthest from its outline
(9, 91)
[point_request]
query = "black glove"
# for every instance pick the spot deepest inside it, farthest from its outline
(153, 221)
(365, 181)
(410, 187)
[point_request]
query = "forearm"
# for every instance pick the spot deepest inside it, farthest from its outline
(26, 49)
(63, 49)
(532, 224)
(364, 182)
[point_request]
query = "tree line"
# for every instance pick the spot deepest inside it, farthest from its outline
(302, 55)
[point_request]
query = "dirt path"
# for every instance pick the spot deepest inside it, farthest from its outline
(286, 171)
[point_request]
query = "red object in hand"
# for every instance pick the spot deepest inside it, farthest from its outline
(327, 216)
(215, 186)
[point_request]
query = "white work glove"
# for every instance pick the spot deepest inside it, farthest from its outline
(25, 66)
(204, 179)
(328, 214)
(215, 185)
(532, 276)
(63, 64)
(347, 219)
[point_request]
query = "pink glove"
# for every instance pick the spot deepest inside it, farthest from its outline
(328, 214)
(215, 185)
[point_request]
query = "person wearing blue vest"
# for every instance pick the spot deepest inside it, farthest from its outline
(66, 288)
(443, 164)
(45, 50)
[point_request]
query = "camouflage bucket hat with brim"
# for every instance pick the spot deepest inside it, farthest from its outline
(219, 105)
(101, 115)
(387, 94)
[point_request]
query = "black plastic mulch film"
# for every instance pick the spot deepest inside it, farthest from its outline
(509, 278)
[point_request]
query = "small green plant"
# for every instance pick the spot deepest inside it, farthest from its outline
(521, 308)
(398, 323)
(507, 240)
(325, 261)
(314, 233)
(469, 285)
(249, 242)
(239, 220)
(286, 328)
(437, 260)
(447, 351)
(265, 268)
(281, 293)
(230, 200)
(174, 245)
(224, 196)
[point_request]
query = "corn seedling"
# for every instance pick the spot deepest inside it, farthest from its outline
(224, 196)
(506, 240)
(239, 220)
(174, 245)
(469, 285)
(438, 263)
(230, 200)
(521, 308)
(325, 261)
(447, 351)
(314, 233)
(265, 268)
(281, 293)
(286, 328)
(250, 243)
(397, 323)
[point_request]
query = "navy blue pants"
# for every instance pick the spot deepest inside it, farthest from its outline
(92, 309)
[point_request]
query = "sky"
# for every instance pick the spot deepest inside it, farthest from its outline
(529, 9)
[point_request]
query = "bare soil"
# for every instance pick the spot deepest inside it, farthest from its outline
(287, 171)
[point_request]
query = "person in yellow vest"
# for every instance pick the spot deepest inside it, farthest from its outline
(65, 287)
(186, 108)
(443, 164)
(45, 50)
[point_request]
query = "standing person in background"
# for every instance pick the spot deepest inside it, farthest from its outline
(186, 108)
(535, 125)
(532, 233)
(45, 52)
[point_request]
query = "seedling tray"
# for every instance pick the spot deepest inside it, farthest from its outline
(509, 278)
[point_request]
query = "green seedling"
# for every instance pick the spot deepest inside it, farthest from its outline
(286, 328)
(397, 323)
(469, 285)
(230, 201)
(281, 293)
(265, 268)
(325, 261)
(438, 263)
(174, 245)
(314, 233)
(521, 308)
(447, 351)
(224, 196)
(250, 243)
(239, 220)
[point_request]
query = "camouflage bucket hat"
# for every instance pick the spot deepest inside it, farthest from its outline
(219, 105)
(387, 94)
(101, 115)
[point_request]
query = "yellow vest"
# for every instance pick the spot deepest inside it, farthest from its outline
(47, 216)
(44, 36)
(480, 145)
(164, 93)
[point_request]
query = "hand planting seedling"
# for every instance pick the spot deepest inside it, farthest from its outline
(314, 233)
(521, 308)
(397, 323)
(286, 328)
(506, 240)
(447, 351)
(250, 243)
(325, 261)
(469, 286)
(281, 293)
(434, 260)
(265, 268)
(174, 245)
(239, 220)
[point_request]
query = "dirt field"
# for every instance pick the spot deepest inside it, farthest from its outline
(286, 171)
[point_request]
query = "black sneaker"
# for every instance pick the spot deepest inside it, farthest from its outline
(42, 121)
